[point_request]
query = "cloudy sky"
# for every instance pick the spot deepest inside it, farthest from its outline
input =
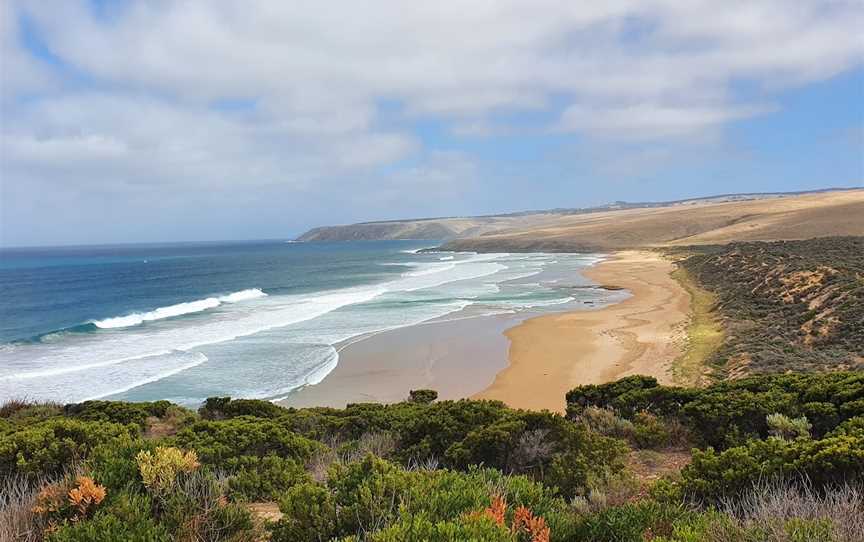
(197, 120)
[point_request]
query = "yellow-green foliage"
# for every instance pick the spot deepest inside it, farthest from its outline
(159, 470)
(704, 334)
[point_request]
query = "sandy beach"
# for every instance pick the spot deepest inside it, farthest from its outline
(455, 358)
(526, 361)
(551, 354)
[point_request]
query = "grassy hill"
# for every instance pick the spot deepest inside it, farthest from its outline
(767, 219)
(785, 305)
(626, 224)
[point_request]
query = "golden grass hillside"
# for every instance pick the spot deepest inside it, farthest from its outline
(781, 218)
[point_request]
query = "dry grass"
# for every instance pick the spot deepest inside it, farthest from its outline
(771, 505)
(378, 444)
(18, 498)
(12, 407)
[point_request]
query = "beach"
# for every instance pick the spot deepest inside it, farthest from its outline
(457, 358)
(526, 360)
(551, 354)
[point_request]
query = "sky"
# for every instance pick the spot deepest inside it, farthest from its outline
(161, 120)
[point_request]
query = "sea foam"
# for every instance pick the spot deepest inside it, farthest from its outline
(179, 309)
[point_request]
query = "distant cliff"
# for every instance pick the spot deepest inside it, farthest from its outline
(380, 230)
(436, 229)
(619, 225)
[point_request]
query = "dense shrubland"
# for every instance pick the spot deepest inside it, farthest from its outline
(790, 445)
(785, 305)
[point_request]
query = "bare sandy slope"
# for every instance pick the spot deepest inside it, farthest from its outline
(791, 217)
(549, 355)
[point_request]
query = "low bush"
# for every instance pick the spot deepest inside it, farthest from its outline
(117, 411)
(375, 496)
(51, 446)
(218, 408)
(129, 518)
(632, 522)
(730, 413)
(423, 397)
(717, 475)
(784, 427)
(161, 468)
(198, 509)
(219, 441)
(263, 478)
(649, 431)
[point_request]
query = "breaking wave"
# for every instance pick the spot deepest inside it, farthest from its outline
(179, 309)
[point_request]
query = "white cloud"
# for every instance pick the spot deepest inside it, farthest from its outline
(148, 101)
(652, 121)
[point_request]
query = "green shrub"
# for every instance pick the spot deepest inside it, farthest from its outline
(197, 509)
(18, 413)
(309, 515)
(784, 427)
(422, 396)
(51, 446)
(117, 411)
(129, 519)
(649, 431)
(730, 413)
(716, 475)
(464, 529)
(263, 478)
(374, 495)
(114, 466)
(633, 522)
(217, 408)
(218, 441)
(606, 422)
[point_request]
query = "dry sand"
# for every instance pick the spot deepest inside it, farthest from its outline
(551, 354)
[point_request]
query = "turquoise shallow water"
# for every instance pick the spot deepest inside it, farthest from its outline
(254, 319)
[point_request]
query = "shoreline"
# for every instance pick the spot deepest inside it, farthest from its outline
(527, 360)
(456, 358)
(551, 354)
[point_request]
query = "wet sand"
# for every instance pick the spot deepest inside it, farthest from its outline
(551, 354)
(456, 358)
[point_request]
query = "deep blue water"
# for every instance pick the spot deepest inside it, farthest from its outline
(254, 319)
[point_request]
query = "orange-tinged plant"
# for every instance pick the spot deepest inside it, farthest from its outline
(524, 523)
(49, 500)
(68, 501)
(497, 509)
(87, 493)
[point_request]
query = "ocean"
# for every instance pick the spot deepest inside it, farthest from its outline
(187, 321)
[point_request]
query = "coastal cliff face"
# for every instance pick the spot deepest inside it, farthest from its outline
(437, 229)
(381, 231)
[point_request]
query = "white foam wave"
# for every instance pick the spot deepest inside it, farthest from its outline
(431, 270)
(242, 295)
(116, 353)
(179, 309)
